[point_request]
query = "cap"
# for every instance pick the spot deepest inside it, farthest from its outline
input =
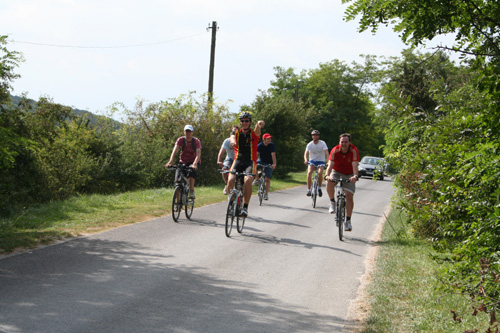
(189, 128)
(267, 135)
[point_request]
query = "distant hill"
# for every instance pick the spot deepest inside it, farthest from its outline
(78, 112)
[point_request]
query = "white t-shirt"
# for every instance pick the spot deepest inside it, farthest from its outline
(317, 151)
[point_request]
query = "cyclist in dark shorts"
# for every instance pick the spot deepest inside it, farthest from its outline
(190, 156)
(245, 143)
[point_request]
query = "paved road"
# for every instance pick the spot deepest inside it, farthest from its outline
(287, 272)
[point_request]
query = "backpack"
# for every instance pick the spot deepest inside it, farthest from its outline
(184, 143)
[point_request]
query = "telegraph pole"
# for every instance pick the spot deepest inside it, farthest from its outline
(212, 63)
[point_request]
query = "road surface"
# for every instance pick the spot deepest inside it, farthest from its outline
(287, 272)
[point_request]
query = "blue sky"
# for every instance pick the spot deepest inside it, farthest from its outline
(97, 54)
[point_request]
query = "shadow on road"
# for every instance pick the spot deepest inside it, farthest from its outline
(114, 286)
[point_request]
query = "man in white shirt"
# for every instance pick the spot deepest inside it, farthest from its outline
(315, 155)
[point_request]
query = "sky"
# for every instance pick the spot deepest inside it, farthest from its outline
(89, 54)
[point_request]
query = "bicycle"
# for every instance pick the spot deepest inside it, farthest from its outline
(315, 184)
(235, 203)
(181, 196)
(262, 181)
(340, 205)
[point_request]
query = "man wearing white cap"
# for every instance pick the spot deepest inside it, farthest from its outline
(190, 155)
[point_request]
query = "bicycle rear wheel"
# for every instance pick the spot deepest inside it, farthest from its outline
(177, 203)
(188, 208)
(341, 216)
(230, 213)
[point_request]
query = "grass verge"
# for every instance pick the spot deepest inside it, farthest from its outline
(403, 293)
(85, 214)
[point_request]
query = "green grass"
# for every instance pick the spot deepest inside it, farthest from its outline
(87, 214)
(403, 295)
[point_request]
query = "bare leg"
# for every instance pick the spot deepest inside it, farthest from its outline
(247, 189)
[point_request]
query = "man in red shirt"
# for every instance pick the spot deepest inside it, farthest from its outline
(343, 161)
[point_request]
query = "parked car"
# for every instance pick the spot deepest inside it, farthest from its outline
(370, 165)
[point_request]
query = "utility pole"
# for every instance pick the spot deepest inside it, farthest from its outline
(212, 63)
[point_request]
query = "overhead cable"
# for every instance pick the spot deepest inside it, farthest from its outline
(107, 47)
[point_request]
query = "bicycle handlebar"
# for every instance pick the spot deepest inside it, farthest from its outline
(180, 166)
(337, 180)
(238, 173)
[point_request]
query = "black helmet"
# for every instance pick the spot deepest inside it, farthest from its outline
(245, 115)
(315, 132)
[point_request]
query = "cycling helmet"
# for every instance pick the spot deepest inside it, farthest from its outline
(315, 132)
(245, 115)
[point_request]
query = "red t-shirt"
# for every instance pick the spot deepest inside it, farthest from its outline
(343, 162)
(188, 155)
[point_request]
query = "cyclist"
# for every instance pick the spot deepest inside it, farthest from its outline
(343, 163)
(228, 161)
(267, 155)
(245, 143)
(190, 156)
(316, 153)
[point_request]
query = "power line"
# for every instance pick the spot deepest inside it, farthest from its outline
(107, 47)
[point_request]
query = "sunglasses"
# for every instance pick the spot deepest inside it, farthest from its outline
(315, 134)
(244, 121)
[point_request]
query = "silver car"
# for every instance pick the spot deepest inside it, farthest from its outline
(370, 165)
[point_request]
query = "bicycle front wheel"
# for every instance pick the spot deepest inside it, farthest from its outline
(341, 216)
(188, 208)
(230, 213)
(177, 203)
(262, 189)
(240, 220)
(314, 193)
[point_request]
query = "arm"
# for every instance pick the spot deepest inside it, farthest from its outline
(233, 140)
(172, 156)
(329, 170)
(355, 171)
(326, 155)
(258, 127)
(306, 156)
(219, 157)
(197, 159)
(273, 155)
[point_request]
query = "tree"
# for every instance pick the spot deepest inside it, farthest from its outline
(452, 149)
(287, 121)
(9, 138)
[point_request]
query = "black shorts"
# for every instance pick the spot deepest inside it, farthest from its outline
(189, 173)
(244, 166)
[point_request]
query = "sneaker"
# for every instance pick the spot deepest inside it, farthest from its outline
(255, 182)
(331, 210)
(308, 193)
(225, 190)
(320, 193)
(244, 212)
(266, 197)
(348, 226)
(191, 194)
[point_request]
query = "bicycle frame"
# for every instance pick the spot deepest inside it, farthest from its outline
(315, 184)
(262, 180)
(181, 195)
(235, 203)
(340, 212)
